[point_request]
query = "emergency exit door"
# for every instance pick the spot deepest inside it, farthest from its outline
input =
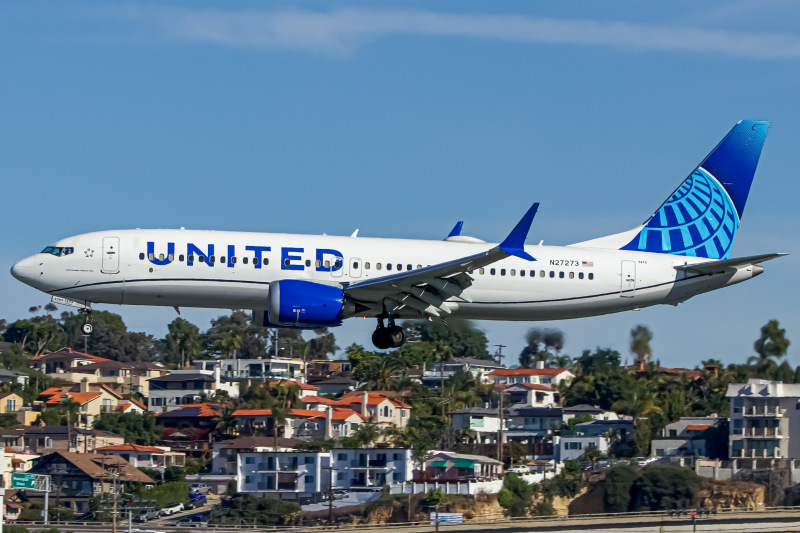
(110, 255)
(627, 287)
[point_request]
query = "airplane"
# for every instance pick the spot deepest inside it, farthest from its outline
(313, 281)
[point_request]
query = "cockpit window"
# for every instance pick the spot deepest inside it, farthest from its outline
(58, 251)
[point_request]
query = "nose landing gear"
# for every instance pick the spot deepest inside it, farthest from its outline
(388, 337)
(86, 327)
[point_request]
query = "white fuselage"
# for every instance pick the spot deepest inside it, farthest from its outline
(116, 267)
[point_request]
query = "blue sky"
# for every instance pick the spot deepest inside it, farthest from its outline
(400, 119)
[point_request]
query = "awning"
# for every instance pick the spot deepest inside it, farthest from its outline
(692, 427)
(464, 463)
(439, 464)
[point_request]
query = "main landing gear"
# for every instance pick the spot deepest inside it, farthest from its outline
(388, 337)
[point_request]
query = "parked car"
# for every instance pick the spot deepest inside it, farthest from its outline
(194, 503)
(147, 514)
(200, 488)
(171, 509)
(519, 470)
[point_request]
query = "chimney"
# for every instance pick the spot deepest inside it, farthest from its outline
(217, 374)
(85, 385)
(65, 393)
(540, 364)
(329, 423)
(364, 404)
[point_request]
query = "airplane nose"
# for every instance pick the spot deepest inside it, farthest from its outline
(24, 270)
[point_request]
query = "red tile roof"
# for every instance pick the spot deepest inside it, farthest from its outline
(79, 397)
(73, 353)
(194, 410)
(696, 427)
(527, 371)
(373, 398)
(337, 414)
(318, 399)
(303, 386)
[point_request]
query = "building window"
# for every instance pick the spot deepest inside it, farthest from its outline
(249, 460)
(248, 479)
(309, 480)
(11, 405)
(341, 457)
(309, 460)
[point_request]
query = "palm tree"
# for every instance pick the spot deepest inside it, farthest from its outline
(366, 434)
(230, 341)
(387, 376)
(279, 415)
(640, 343)
(637, 402)
(226, 422)
(184, 338)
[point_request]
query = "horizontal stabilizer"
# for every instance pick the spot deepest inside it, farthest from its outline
(716, 267)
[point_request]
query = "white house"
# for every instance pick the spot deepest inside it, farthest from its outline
(287, 475)
(550, 377)
(182, 387)
(158, 457)
(370, 467)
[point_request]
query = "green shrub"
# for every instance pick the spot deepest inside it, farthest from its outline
(665, 487)
(619, 481)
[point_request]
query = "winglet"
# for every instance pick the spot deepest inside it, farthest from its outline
(515, 242)
(456, 231)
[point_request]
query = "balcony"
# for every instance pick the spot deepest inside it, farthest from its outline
(266, 467)
(776, 412)
(368, 464)
(756, 454)
(758, 433)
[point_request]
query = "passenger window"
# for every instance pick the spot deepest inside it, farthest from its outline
(388, 266)
(308, 263)
(513, 272)
(211, 259)
(286, 262)
(171, 257)
(355, 264)
(151, 257)
(572, 275)
(399, 268)
(191, 259)
(200, 258)
(541, 273)
(502, 271)
(222, 259)
(533, 273)
(244, 260)
(552, 274)
(492, 271)
(481, 271)
(141, 257)
(233, 260)
(337, 265)
(366, 265)
(419, 266)
(561, 274)
(580, 275)
(181, 258)
(521, 273)
(328, 264)
(378, 266)
(591, 276)
(160, 257)
(318, 263)
(408, 267)
(266, 261)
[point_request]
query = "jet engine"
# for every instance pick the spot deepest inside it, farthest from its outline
(305, 304)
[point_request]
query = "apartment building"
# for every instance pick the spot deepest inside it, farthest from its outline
(288, 475)
(550, 377)
(187, 387)
(369, 468)
(764, 420)
(275, 368)
(686, 437)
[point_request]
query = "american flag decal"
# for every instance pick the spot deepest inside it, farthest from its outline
(587, 263)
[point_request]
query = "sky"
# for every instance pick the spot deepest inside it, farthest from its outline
(399, 119)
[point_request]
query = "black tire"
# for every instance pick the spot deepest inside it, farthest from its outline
(86, 328)
(381, 339)
(397, 336)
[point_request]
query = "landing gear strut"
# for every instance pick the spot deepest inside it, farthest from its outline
(86, 327)
(388, 337)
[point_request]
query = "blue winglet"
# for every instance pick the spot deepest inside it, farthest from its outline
(515, 242)
(456, 231)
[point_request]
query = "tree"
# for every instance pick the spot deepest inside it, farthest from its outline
(771, 346)
(464, 339)
(182, 341)
(640, 343)
(665, 487)
(516, 495)
(252, 338)
(135, 428)
(366, 434)
(619, 480)
(320, 346)
(230, 341)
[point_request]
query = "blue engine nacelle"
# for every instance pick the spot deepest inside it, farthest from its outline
(304, 304)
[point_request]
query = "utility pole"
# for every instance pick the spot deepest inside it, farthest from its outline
(330, 470)
(437, 518)
(498, 354)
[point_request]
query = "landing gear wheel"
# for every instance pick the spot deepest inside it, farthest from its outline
(397, 336)
(86, 328)
(381, 338)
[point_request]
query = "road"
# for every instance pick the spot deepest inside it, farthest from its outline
(773, 521)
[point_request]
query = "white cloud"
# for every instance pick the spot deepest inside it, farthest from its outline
(342, 32)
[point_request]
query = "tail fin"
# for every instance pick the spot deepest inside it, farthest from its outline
(701, 217)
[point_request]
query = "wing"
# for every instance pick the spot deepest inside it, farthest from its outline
(426, 290)
(718, 267)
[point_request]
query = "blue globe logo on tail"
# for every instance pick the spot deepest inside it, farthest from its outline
(698, 220)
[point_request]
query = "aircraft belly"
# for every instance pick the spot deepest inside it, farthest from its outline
(186, 293)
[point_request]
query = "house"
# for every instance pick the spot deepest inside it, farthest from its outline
(225, 452)
(322, 369)
(10, 403)
(368, 468)
(530, 395)
(271, 369)
(763, 417)
(92, 403)
(336, 385)
(16, 461)
(451, 467)
(334, 422)
(190, 428)
(157, 457)
(12, 376)
(378, 406)
(77, 477)
(288, 475)
(129, 405)
(550, 377)
(479, 369)
(63, 361)
(585, 411)
(481, 424)
(685, 437)
(600, 433)
(44, 439)
(187, 387)
(533, 427)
